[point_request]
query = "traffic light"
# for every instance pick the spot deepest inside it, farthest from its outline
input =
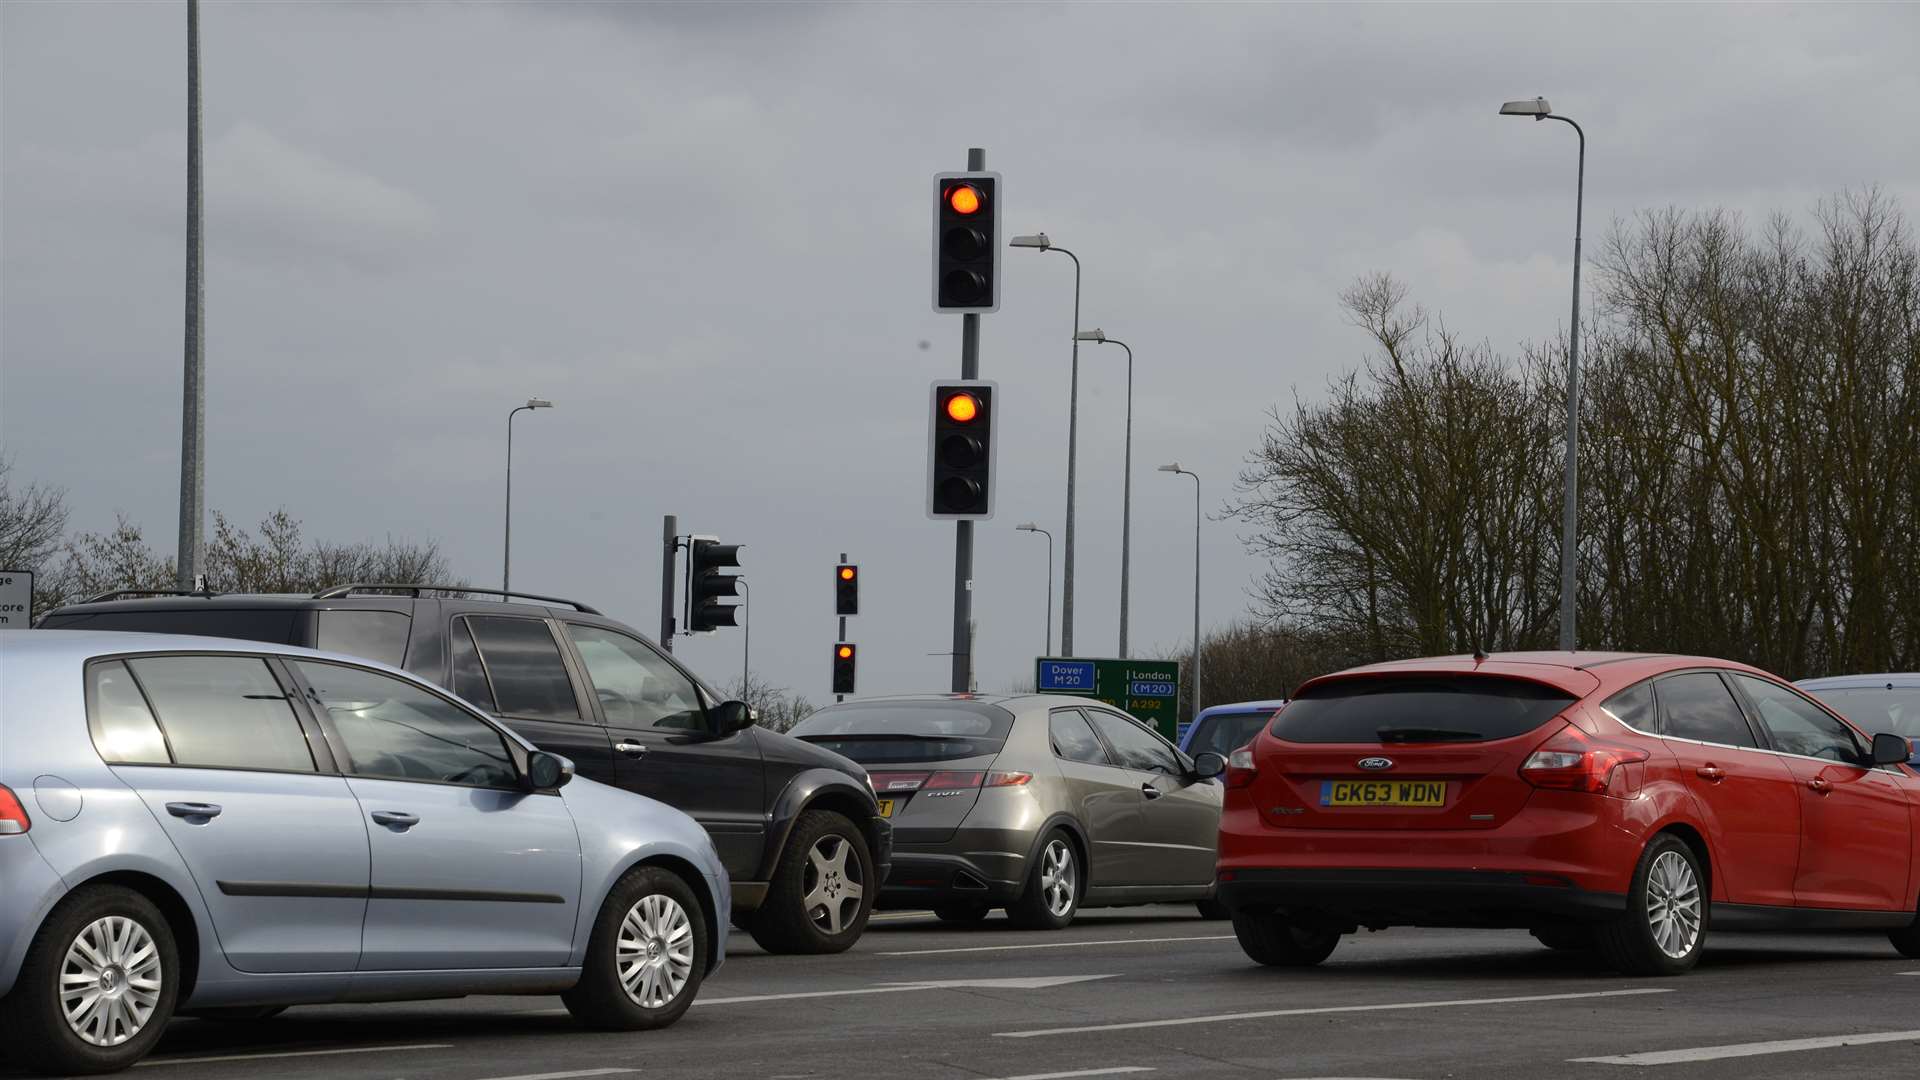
(960, 450)
(706, 585)
(844, 655)
(966, 242)
(846, 589)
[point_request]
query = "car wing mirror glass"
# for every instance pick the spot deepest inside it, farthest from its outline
(546, 771)
(1891, 749)
(1209, 765)
(732, 716)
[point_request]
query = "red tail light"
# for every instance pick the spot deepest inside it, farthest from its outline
(1009, 779)
(947, 781)
(1573, 761)
(884, 782)
(1240, 769)
(13, 816)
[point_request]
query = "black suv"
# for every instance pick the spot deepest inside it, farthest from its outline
(796, 825)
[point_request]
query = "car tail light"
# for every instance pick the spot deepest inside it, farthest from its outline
(13, 816)
(947, 781)
(1009, 779)
(893, 782)
(1574, 761)
(1240, 768)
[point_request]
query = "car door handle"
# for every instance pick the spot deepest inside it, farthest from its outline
(631, 749)
(1711, 773)
(193, 809)
(1150, 791)
(395, 818)
(1820, 786)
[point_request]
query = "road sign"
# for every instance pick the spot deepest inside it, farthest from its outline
(16, 599)
(1148, 689)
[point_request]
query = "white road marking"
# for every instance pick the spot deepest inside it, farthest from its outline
(1032, 982)
(896, 916)
(1115, 1071)
(293, 1054)
(1061, 945)
(1218, 1018)
(1755, 1049)
(562, 1075)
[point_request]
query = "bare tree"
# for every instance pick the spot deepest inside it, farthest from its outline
(779, 708)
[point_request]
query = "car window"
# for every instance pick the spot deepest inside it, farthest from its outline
(1223, 733)
(524, 667)
(376, 635)
(1418, 708)
(1698, 706)
(1894, 709)
(1634, 707)
(469, 675)
(393, 729)
(223, 712)
(1135, 746)
(636, 687)
(124, 730)
(1073, 738)
(274, 625)
(1798, 726)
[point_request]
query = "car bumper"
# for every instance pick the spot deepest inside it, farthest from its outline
(1381, 898)
(985, 866)
(29, 888)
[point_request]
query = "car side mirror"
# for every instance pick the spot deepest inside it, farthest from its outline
(732, 716)
(545, 771)
(1209, 765)
(1891, 749)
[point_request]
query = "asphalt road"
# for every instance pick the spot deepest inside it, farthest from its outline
(1147, 992)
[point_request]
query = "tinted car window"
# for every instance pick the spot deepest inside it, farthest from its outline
(469, 677)
(392, 728)
(1797, 726)
(1135, 746)
(376, 635)
(1634, 707)
(124, 730)
(524, 668)
(223, 711)
(270, 624)
(636, 687)
(1073, 738)
(1699, 706)
(1223, 733)
(1418, 708)
(902, 733)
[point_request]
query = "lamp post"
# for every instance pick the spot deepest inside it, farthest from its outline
(1175, 468)
(1040, 242)
(1033, 528)
(1570, 511)
(506, 558)
(1126, 498)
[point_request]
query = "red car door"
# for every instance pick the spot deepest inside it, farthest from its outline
(1749, 800)
(1855, 832)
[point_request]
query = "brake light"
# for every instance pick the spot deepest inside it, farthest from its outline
(947, 781)
(1573, 761)
(1240, 768)
(13, 816)
(1009, 779)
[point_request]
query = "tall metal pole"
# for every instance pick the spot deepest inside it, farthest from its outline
(746, 635)
(963, 530)
(1195, 665)
(1570, 513)
(1073, 443)
(1049, 536)
(506, 546)
(669, 544)
(193, 420)
(1126, 508)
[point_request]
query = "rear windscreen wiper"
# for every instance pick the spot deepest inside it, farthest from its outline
(1424, 734)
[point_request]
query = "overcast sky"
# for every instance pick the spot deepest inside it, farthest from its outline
(703, 232)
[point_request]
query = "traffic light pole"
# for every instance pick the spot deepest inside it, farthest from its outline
(963, 530)
(668, 544)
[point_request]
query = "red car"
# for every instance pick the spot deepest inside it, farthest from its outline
(1612, 801)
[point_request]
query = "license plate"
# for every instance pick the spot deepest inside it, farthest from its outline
(886, 807)
(1383, 792)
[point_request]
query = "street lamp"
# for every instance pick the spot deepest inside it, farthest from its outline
(506, 559)
(1032, 528)
(1126, 499)
(1175, 468)
(1570, 512)
(1039, 242)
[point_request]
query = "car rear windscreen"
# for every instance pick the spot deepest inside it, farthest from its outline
(880, 733)
(1418, 708)
(274, 625)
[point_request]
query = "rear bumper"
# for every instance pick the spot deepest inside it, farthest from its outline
(1416, 897)
(989, 869)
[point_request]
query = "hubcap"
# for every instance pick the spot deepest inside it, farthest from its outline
(1673, 904)
(831, 888)
(110, 981)
(655, 955)
(1058, 880)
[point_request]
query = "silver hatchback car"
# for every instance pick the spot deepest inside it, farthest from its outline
(202, 826)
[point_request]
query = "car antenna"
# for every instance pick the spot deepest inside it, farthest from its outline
(1479, 654)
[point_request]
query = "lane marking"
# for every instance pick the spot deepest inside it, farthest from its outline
(1031, 982)
(1218, 1018)
(1754, 1049)
(1060, 945)
(291, 1054)
(896, 916)
(1115, 1071)
(562, 1075)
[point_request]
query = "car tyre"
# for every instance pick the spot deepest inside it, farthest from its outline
(140, 984)
(1664, 929)
(647, 955)
(1276, 941)
(965, 911)
(1212, 909)
(1054, 886)
(1565, 938)
(822, 891)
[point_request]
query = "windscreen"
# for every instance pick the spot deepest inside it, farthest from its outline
(880, 733)
(1223, 733)
(1418, 708)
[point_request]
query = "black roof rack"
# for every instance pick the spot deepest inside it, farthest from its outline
(339, 591)
(122, 594)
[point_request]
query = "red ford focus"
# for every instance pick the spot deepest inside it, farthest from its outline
(1624, 803)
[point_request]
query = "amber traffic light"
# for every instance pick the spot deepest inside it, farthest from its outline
(960, 443)
(966, 242)
(843, 660)
(846, 589)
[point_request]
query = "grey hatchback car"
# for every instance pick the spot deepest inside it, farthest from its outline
(1041, 804)
(223, 829)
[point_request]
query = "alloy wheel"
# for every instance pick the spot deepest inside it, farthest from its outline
(110, 980)
(655, 954)
(1059, 881)
(832, 889)
(1673, 904)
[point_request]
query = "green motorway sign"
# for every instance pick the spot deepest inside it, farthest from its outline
(1148, 689)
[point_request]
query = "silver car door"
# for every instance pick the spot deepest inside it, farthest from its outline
(1105, 796)
(1179, 816)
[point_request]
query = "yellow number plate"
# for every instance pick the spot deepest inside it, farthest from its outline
(1383, 793)
(886, 807)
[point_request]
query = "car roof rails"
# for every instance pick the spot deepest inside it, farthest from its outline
(386, 588)
(123, 594)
